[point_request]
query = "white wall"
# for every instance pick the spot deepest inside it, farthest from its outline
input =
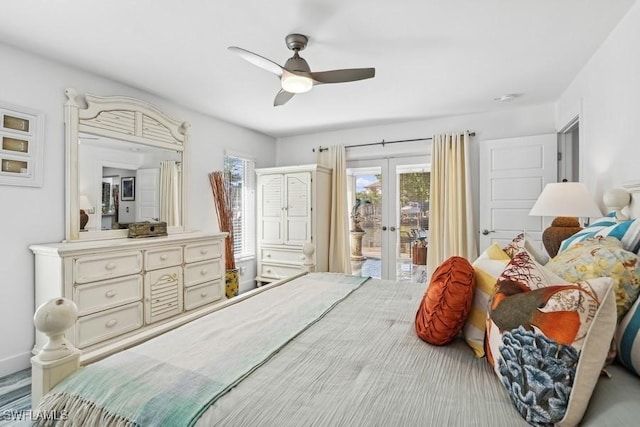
(510, 122)
(523, 121)
(606, 95)
(36, 215)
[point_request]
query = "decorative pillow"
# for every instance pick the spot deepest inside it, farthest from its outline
(602, 257)
(548, 340)
(628, 232)
(628, 339)
(446, 304)
(519, 243)
(589, 231)
(487, 267)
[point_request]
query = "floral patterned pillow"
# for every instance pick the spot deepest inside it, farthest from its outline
(602, 257)
(548, 339)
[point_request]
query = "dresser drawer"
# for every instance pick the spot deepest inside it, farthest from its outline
(278, 271)
(98, 296)
(105, 266)
(201, 272)
(98, 327)
(163, 257)
(163, 294)
(201, 251)
(279, 255)
(205, 293)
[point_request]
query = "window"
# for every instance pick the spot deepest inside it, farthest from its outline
(240, 174)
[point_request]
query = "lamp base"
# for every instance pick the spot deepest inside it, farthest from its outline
(84, 218)
(561, 228)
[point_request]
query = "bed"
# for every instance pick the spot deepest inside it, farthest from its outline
(320, 349)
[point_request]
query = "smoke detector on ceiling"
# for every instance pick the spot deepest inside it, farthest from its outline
(507, 97)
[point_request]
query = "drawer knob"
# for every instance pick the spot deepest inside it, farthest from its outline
(204, 271)
(111, 323)
(302, 257)
(268, 255)
(268, 270)
(203, 251)
(203, 294)
(110, 294)
(110, 266)
(163, 257)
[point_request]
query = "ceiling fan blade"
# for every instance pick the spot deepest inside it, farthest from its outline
(340, 76)
(260, 61)
(282, 97)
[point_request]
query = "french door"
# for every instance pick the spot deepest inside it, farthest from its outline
(393, 207)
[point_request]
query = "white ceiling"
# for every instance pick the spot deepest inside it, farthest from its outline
(432, 58)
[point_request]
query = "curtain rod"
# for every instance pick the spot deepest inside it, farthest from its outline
(383, 143)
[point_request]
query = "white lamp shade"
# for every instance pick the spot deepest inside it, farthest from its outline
(85, 203)
(570, 199)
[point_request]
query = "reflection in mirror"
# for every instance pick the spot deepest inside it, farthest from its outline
(151, 177)
(111, 140)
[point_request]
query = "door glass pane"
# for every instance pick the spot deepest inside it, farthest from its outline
(366, 223)
(412, 206)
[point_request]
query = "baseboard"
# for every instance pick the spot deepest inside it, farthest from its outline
(15, 363)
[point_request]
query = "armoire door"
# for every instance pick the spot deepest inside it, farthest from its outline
(271, 208)
(297, 208)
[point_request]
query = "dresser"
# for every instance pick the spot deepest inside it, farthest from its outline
(130, 288)
(293, 207)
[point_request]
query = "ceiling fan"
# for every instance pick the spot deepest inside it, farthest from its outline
(296, 76)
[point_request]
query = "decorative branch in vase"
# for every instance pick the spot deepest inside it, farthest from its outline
(223, 203)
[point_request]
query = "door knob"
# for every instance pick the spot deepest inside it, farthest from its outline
(485, 232)
(384, 228)
(392, 228)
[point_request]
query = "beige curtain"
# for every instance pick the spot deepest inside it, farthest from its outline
(335, 157)
(170, 192)
(451, 230)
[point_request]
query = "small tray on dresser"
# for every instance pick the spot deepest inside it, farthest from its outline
(147, 229)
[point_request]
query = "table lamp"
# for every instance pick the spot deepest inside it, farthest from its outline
(85, 208)
(565, 201)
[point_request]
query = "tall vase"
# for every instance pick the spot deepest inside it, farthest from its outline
(231, 282)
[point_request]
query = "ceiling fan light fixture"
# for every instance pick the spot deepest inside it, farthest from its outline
(296, 84)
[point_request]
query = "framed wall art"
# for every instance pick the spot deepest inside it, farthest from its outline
(128, 188)
(21, 131)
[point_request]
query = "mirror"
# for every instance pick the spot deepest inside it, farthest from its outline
(121, 182)
(129, 167)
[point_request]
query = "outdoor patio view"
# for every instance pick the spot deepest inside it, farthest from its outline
(412, 209)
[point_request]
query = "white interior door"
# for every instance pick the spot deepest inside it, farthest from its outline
(513, 172)
(147, 195)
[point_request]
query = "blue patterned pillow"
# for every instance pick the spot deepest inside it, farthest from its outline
(628, 232)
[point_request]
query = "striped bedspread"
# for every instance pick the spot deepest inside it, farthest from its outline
(172, 379)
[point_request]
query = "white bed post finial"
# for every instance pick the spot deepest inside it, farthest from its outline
(58, 357)
(615, 200)
(308, 250)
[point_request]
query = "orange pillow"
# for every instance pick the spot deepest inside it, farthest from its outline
(447, 302)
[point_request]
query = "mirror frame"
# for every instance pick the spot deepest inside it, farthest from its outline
(101, 115)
